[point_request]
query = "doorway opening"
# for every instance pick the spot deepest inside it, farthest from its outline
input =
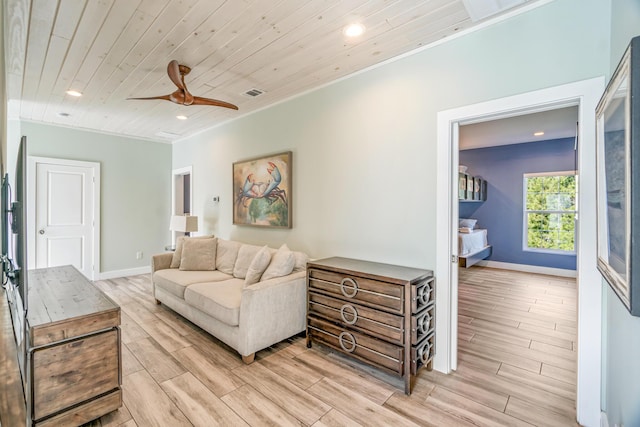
(181, 195)
(585, 95)
(517, 183)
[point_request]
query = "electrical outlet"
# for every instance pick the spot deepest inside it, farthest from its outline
(139, 255)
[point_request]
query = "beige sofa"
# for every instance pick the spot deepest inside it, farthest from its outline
(247, 296)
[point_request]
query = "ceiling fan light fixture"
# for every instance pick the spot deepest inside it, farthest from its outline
(74, 93)
(354, 30)
(181, 117)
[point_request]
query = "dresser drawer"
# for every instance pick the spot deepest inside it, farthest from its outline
(383, 325)
(365, 348)
(423, 353)
(422, 294)
(423, 323)
(373, 293)
(72, 372)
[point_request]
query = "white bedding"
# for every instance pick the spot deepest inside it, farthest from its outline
(472, 242)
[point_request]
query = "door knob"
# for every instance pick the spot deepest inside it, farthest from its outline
(41, 231)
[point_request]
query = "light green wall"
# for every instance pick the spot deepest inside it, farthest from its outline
(621, 331)
(364, 149)
(135, 191)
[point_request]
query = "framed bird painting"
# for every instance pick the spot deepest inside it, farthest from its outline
(262, 191)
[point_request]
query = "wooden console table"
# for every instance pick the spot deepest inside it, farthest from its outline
(380, 314)
(73, 370)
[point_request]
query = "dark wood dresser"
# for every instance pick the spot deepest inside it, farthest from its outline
(73, 349)
(380, 314)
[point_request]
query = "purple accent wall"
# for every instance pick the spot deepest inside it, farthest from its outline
(502, 214)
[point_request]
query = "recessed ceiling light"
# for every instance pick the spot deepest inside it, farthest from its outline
(181, 117)
(353, 30)
(540, 133)
(74, 93)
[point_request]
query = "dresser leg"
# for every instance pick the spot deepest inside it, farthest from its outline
(249, 358)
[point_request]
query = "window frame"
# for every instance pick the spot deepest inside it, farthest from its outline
(525, 212)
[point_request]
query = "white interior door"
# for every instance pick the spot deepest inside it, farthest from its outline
(65, 215)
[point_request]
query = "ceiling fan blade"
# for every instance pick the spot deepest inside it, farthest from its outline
(173, 69)
(214, 102)
(165, 97)
(176, 73)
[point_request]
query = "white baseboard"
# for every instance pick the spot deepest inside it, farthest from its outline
(604, 421)
(528, 268)
(105, 275)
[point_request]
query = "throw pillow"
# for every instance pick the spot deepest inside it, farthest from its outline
(226, 255)
(246, 253)
(198, 255)
(467, 223)
(301, 261)
(177, 254)
(257, 266)
(281, 264)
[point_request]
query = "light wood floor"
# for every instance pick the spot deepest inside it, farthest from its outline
(516, 367)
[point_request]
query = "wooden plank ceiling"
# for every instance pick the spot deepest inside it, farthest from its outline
(113, 49)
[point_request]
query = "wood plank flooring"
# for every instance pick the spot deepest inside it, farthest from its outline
(517, 364)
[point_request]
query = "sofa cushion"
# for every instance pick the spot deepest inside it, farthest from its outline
(282, 264)
(177, 254)
(258, 266)
(226, 255)
(198, 254)
(218, 299)
(246, 254)
(301, 261)
(175, 281)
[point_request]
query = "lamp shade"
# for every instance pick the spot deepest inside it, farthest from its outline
(184, 223)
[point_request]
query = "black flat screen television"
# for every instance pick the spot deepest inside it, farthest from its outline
(14, 228)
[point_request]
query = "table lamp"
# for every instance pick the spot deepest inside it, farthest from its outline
(184, 223)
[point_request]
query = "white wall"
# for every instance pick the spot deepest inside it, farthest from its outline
(364, 148)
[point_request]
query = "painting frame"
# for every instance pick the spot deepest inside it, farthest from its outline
(262, 191)
(618, 179)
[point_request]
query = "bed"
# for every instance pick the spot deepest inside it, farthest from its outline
(472, 246)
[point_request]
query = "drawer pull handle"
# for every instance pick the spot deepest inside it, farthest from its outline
(424, 294)
(424, 323)
(345, 290)
(353, 314)
(351, 341)
(424, 353)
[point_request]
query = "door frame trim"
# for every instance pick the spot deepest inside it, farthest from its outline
(585, 94)
(33, 162)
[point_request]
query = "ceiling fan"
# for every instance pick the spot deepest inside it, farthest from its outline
(182, 96)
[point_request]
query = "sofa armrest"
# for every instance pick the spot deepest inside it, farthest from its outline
(161, 261)
(271, 311)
